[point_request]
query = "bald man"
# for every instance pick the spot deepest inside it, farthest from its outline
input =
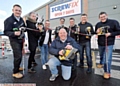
(56, 49)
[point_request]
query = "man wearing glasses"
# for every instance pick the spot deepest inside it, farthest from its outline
(11, 29)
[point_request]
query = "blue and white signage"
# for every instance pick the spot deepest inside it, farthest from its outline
(66, 9)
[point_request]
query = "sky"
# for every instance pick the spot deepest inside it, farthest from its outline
(27, 6)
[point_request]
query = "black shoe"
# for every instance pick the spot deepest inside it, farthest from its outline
(89, 70)
(31, 71)
(34, 63)
(81, 65)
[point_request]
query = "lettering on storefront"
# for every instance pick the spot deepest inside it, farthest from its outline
(66, 9)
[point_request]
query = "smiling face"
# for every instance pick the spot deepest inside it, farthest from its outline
(47, 24)
(72, 22)
(83, 19)
(103, 17)
(17, 11)
(62, 34)
(62, 21)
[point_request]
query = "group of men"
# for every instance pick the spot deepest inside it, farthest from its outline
(66, 38)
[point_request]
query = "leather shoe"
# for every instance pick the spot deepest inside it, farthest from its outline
(21, 69)
(89, 70)
(17, 75)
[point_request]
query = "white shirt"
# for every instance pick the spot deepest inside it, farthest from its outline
(18, 18)
(63, 40)
(46, 37)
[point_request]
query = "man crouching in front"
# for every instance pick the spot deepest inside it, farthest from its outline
(62, 42)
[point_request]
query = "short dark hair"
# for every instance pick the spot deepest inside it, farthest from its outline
(102, 13)
(62, 18)
(71, 19)
(17, 5)
(47, 21)
(83, 14)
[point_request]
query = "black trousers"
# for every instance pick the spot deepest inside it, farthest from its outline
(17, 53)
(31, 57)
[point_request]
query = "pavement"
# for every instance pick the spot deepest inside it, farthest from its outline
(41, 77)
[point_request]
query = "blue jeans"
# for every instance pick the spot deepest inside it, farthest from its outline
(102, 54)
(106, 57)
(66, 70)
(44, 53)
(87, 47)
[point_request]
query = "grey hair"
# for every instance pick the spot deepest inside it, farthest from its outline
(31, 13)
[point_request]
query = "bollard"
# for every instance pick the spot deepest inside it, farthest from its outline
(3, 50)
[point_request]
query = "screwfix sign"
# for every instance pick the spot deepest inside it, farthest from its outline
(66, 9)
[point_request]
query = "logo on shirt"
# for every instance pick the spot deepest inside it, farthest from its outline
(15, 23)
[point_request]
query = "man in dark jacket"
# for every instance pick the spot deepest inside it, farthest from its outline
(85, 42)
(45, 41)
(32, 40)
(62, 25)
(111, 28)
(11, 29)
(61, 42)
(73, 29)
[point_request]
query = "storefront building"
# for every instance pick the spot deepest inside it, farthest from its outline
(55, 9)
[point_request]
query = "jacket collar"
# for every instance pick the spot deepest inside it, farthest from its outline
(15, 18)
(31, 20)
(81, 23)
(74, 25)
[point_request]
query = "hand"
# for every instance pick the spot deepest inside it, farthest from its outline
(61, 52)
(69, 47)
(40, 27)
(72, 31)
(98, 30)
(17, 33)
(107, 34)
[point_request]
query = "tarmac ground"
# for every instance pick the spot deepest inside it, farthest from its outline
(41, 77)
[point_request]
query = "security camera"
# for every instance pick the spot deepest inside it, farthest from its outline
(115, 7)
